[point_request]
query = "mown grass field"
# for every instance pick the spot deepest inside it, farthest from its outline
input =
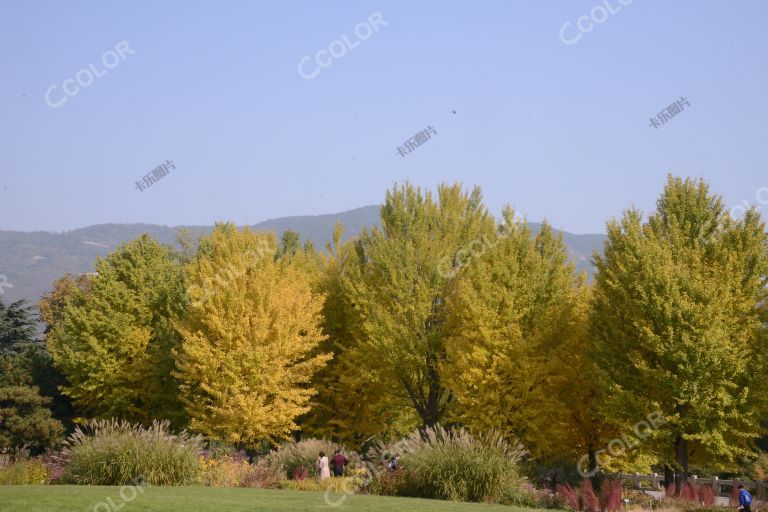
(71, 498)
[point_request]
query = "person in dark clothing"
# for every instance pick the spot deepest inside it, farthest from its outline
(745, 499)
(338, 462)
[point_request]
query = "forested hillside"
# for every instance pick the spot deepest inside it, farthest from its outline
(32, 261)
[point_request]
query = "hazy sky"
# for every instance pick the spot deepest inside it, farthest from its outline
(558, 130)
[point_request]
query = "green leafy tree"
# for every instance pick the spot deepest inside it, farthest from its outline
(679, 327)
(65, 290)
(400, 288)
(114, 342)
(46, 375)
(352, 405)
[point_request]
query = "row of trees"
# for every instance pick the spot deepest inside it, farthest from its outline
(446, 315)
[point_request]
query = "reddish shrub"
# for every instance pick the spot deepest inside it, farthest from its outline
(591, 503)
(570, 496)
(707, 495)
(612, 495)
(56, 462)
(300, 473)
(261, 476)
(734, 497)
(670, 490)
(688, 493)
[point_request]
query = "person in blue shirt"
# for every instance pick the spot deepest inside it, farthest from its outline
(745, 499)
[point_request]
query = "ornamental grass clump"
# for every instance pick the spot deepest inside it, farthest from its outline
(456, 465)
(111, 452)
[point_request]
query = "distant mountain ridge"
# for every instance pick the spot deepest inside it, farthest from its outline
(32, 261)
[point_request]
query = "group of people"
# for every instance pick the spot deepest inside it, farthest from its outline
(337, 462)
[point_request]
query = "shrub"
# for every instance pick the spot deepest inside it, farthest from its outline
(56, 461)
(570, 496)
(23, 472)
(734, 496)
(689, 493)
(531, 497)
(591, 503)
(612, 494)
(707, 495)
(260, 476)
(390, 483)
(457, 466)
(118, 453)
(300, 473)
(226, 471)
(235, 471)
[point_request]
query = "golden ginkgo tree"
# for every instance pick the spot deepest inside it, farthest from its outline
(250, 338)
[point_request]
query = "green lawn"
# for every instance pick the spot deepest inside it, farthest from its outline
(72, 498)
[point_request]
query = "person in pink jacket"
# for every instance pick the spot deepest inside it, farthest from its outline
(323, 469)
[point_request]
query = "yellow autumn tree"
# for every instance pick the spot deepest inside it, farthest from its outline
(578, 428)
(512, 311)
(250, 339)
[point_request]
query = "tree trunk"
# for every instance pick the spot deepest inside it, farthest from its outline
(669, 476)
(681, 457)
(432, 413)
(427, 407)
(592, 457)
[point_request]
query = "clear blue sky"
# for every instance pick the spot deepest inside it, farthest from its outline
(558, 131)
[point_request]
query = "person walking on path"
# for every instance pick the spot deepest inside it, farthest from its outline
(745, 499)
(322, 467)
(338, 462)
